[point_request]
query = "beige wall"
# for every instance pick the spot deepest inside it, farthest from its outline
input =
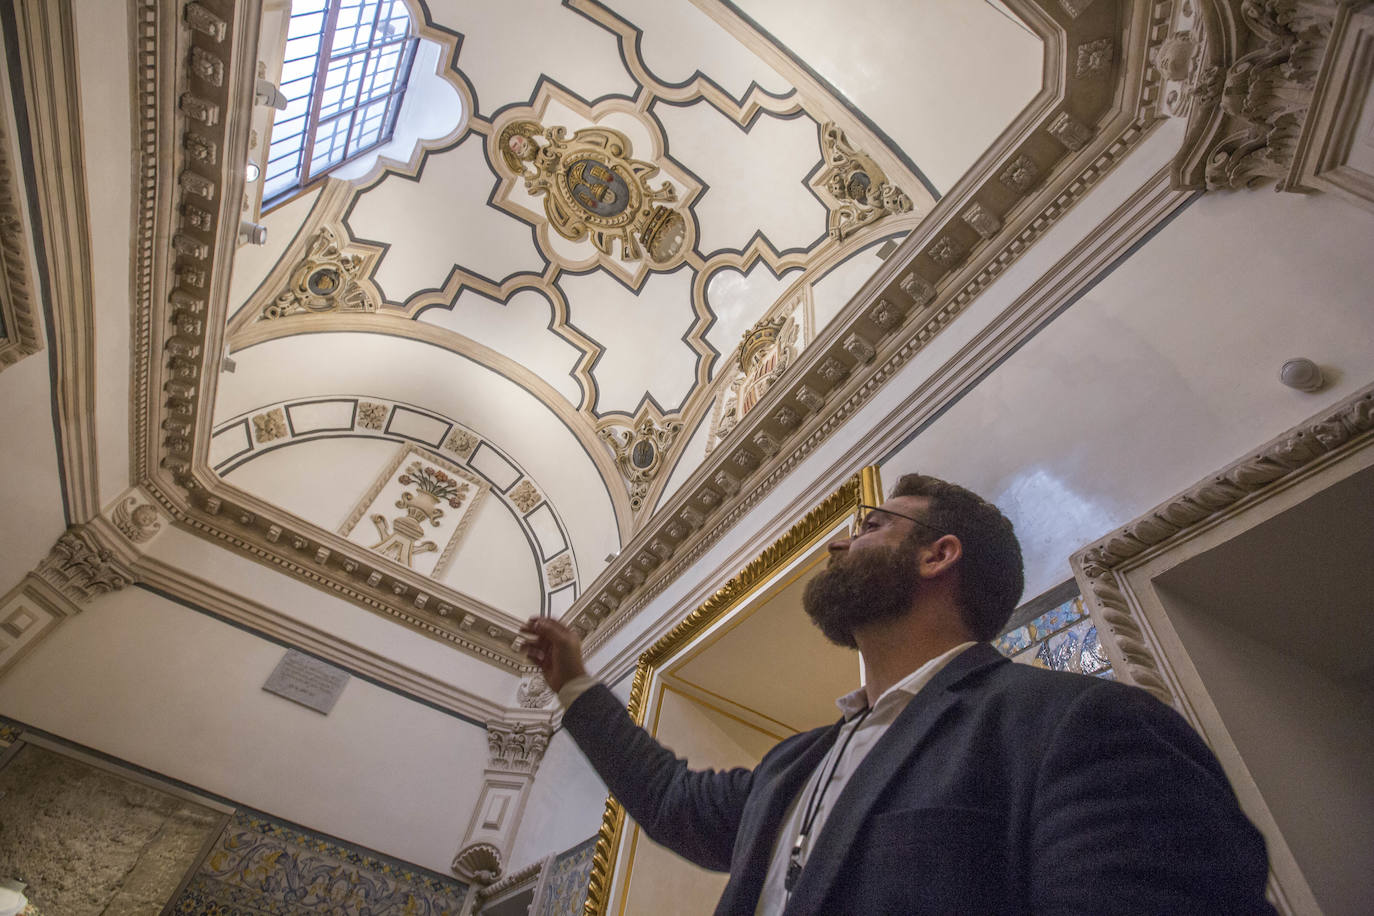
(30, 491)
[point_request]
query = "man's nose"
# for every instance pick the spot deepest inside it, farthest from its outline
(839, 545)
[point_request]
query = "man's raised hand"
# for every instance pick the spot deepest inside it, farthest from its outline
(555, 648)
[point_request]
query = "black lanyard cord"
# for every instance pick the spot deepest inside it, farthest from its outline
(813, 807)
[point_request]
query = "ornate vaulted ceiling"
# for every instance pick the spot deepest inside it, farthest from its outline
(610, 275)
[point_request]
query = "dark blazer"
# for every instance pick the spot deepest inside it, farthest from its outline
(1000, 788)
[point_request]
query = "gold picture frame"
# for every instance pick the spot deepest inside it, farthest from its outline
(864, 488)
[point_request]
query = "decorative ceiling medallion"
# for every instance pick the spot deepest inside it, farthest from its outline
(640, 451)
(325, 280)
(435, 498)
(860, 189)
(593, 189)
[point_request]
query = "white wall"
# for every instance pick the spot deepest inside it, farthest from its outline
(180, 693)
(30, 491)
(1164, 372)
(564, 807)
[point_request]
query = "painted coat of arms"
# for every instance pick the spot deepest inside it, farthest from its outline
(593, 189)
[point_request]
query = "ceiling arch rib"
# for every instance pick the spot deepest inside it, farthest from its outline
(360, 458)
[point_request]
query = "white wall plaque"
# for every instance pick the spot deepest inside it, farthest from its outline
(307, 681)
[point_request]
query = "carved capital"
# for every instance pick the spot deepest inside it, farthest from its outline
(1245, 81)
(517, 747)
(81, 568)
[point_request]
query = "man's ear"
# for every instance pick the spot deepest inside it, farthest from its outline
(939, 556)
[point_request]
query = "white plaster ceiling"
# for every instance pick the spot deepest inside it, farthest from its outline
(485, 322)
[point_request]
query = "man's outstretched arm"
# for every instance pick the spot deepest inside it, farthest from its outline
(694, 813)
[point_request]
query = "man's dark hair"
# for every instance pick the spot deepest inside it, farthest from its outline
(990, 572)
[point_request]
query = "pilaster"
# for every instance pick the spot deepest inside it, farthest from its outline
(516, 746)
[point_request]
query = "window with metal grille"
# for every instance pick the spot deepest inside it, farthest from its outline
(344, 76)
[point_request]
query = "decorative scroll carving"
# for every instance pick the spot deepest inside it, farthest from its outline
(478, 863)
(1246, 92)
(80, 568)
(534, 692)
(1070, 132)
(983, 220)
(1097, 565)
(137, 521)
(517, 747)
(859, 187)
(639, 452)
(593, 189)
(325, 280)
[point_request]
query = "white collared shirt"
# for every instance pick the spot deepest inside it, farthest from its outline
(872, 727)
(773, 898)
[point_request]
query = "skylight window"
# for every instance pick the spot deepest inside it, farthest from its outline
(344, 76)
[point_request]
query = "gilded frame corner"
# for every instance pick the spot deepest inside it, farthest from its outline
(865, 487)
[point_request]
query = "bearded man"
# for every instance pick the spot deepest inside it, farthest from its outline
(956, 781)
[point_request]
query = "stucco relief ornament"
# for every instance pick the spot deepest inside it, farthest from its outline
(764, 353)
(400, 540)
(639, 452)
(1267, 92)
(534, 692)
(136, 521)
(325, 280)
(860, 188)
(593, 189)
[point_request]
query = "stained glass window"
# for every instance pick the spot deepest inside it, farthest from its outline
(344, 76)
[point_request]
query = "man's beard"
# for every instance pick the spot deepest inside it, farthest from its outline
(860, 588)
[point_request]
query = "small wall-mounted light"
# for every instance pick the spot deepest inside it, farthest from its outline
(252, 172)
(252, 233)
(265, 92)
(1303, 374)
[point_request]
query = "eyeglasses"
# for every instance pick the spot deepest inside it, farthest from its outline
(916, 521)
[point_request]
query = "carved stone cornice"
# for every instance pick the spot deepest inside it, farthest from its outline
(1098, 567)
(81, 567)
(19, 333)
(517, 746)
(1244, 73)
